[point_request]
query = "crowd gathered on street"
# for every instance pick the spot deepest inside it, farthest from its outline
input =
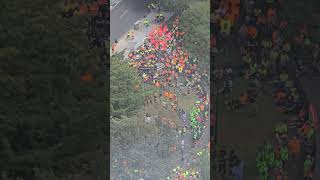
(162, 61)
(272, 56)
(274, 53)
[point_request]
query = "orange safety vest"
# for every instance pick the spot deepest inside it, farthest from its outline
(94, 7)
(271, 13)
(252, 31)
(243, 99)
(278, 177)
(87, 77)
(280, 95)
(174, 62)
(294, 146)
(235, 2)
(83, 9)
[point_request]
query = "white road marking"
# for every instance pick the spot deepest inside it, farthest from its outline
(124, 13)
(113, 5)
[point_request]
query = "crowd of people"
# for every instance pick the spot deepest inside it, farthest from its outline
(192, 169)
(81, 7)
(227, 164)
(224, 19)
(163, 62)
(272, 55)
(268, 53)
(98, 24)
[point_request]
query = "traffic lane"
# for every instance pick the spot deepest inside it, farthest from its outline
(124, 15)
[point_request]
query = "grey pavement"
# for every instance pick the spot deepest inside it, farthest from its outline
(124, 14)
(139, 35)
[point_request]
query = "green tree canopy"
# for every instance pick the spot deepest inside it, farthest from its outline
(175, 5)
(50, 120)
(196, 22)
(126, 88)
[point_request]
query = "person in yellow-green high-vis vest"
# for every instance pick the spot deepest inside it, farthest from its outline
(225, 26)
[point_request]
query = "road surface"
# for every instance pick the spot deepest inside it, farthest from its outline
(124, 14)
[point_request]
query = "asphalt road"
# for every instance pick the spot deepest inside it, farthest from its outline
(124, 15)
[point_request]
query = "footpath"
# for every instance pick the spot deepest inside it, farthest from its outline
(139, 34)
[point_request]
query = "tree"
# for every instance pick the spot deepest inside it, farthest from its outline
(195, 21)
(125, 85)
(50, 119)
(205, 166)
(176, 6)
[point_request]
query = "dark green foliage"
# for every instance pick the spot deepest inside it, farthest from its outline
(174, 5)
(49, 119)
(123, 79)
(195, 21)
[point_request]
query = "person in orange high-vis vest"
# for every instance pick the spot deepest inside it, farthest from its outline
(87, 77)
(93, 8)
(280, 177)
(252, 32)
(236, 12)
(294, 146)
(271, 14)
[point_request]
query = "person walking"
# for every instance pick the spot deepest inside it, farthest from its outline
(128, 35)
(237, 170)
(222, 163)
(113, 48)
(146, 22)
